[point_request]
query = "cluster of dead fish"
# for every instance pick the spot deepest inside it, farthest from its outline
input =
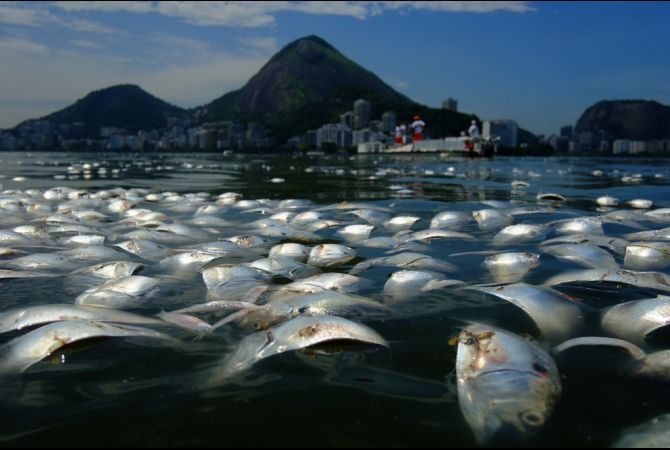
(284, 280)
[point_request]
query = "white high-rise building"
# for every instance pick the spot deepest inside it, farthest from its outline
(451, 104)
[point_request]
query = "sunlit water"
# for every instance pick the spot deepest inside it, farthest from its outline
(115, 392)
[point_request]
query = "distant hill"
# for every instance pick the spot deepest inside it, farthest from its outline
(125, 106)
(627, 119)
(309, 83)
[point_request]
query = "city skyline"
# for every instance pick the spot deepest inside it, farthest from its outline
(541, 64)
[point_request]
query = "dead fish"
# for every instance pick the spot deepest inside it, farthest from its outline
(616, 245)
(330, 255)
(284, 267)
(551, 197)
(357, 232)
(635, 352)
(294, 334)
(651, 235)
(607, 200)
(647, 255)
(409, 260)
(186, 321)
(430, 234)
(652, 280)
(119, 293)
(291, 250)
(519, 233)
(319, 303)
(407, 284)
(24, 351)
(640, 203)
(8, 274)
(332, 281)
(42, 262)
(371, 216)
(512, 266)
(652, 434)
(506, 384)
(635, 320)
(20, 318)
(581, 225)
(110, 270)
(400, 223)
(492, 219)
(452, 220)
(557, 316)
(585, 254)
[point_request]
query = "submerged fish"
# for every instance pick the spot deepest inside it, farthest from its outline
(507, 386)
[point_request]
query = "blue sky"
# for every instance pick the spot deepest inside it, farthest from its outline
(540, 63)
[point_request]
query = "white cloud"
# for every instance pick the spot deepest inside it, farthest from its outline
(21, 45)
(82, 43)
(35, 15)
(185, 72)
(135, 7)
(254, 14)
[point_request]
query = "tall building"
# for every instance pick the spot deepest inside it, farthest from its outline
(347, 119)
(566, 131)
(451, 104)
(361, 113)
(388, 122)
(506, 130)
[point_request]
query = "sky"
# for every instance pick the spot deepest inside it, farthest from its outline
(539, 63)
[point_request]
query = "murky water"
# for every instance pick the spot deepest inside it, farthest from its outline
(123, 392)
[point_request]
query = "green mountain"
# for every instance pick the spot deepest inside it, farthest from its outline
(125, 106)
(309, 83)
(627, 119)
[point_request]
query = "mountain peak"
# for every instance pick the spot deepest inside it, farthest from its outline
(124, 105)
(308, 75)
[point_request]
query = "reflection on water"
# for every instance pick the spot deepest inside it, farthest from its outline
(107, 392)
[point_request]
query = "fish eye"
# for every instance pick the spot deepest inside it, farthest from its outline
(471, 341)
(540, 368)
(303, 310)
(257, 326)
(532, 418)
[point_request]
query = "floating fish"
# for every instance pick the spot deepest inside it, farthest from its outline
(507, 386)
(634, 321)
(512, 266)
(24, 351)
(297, 333)
(557, 316)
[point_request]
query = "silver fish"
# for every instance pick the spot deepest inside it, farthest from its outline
(653, 280)
(506, 384)
(555, 314)
(407, 284)
(512, 266)
(297, 333)
(24, 351)
(409, 260)
(119, 293)
(292, 250)
(20, 318)
(634, 321)
(647, 255)
(452, 220)
(285, 267)
(585, 254)
(492, 219)
(330, 255)
(652, 434)
(519, 233)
